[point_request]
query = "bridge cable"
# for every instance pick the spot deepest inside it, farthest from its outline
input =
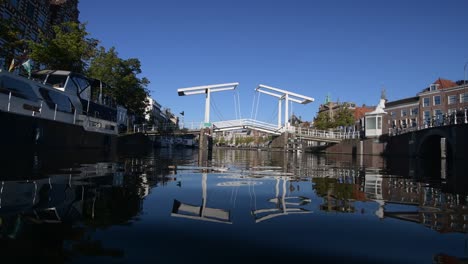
(273, 114)
(235, 105)
(253, 104)
(258, 102)
(217, 112)
(238, 104)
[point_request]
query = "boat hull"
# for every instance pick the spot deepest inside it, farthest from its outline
(20, 132)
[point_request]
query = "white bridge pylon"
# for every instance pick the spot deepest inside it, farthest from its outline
(284, 95)
(207, 89)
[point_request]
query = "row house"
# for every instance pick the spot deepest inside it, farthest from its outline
(402, 113)
(434, 105)
(441, 98)
(153, 113)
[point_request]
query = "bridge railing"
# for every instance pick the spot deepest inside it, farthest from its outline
(246, 123)
(325, 134)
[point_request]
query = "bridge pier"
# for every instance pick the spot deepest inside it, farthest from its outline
(205, 147)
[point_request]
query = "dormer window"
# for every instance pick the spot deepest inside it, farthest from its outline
(433, 87)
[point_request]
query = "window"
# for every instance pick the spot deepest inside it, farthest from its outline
(414, 111)
(56, 80)
(392, 114)
(379, 122)
(451, 99)
(30, 10)
(425, 102)
(404, 112)
(427, 117)
(55, 98)
(433, 87)
(414, 122)
(14, 3)
(439, 116)
(371, 123)
(41, 20)
(17, 88)
(437, 100)
(464, 98)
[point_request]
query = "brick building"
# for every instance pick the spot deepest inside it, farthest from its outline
(434, 105)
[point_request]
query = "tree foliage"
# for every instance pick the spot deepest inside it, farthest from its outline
(343, 117)
(70, 48)
(323, 121)
(122, 75)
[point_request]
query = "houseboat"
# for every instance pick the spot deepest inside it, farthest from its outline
(56, 110)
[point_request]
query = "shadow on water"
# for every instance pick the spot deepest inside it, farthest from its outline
(451, 177)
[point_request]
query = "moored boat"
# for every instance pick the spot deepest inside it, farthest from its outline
(56, 110)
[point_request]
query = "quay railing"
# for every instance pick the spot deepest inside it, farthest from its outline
(434, 121)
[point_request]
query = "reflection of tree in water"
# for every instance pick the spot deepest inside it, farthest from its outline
(337, 196)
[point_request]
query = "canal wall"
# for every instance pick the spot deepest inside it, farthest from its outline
(280, 141)
(368, 146)
(426, 143)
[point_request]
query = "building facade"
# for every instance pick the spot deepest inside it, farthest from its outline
(33, 16)
(435, 105)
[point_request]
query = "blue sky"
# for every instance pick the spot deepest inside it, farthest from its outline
(348, 49)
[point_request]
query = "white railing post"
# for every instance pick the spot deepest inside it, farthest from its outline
(466, 121)
(74, 117)
(9, 101)
(55, 112)
(40, 108)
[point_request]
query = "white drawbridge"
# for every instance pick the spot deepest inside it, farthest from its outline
(252, 123)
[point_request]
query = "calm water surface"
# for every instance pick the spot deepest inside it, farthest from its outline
(170, 206)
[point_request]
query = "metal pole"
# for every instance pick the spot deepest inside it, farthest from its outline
(279, 112)
(207, 106)
(464, 85)
(286, 112)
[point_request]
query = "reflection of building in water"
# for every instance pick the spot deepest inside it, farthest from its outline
(201, 212)
(441, 211)
(283, 205)
(340, 188)
(147, 174)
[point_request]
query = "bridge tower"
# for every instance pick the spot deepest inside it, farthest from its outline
(286, 96)
(207, 89)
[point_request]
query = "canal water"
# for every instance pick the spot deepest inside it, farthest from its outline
(230, 206)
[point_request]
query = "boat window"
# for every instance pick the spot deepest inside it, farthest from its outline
(52, 98)
(81, 83)
(57, 81)
(18, 88)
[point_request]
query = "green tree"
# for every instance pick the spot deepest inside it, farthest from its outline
(128, 89)
(69, 48)
(323, 121)
(343, 117)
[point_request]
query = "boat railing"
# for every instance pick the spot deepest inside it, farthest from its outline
(37, 109)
